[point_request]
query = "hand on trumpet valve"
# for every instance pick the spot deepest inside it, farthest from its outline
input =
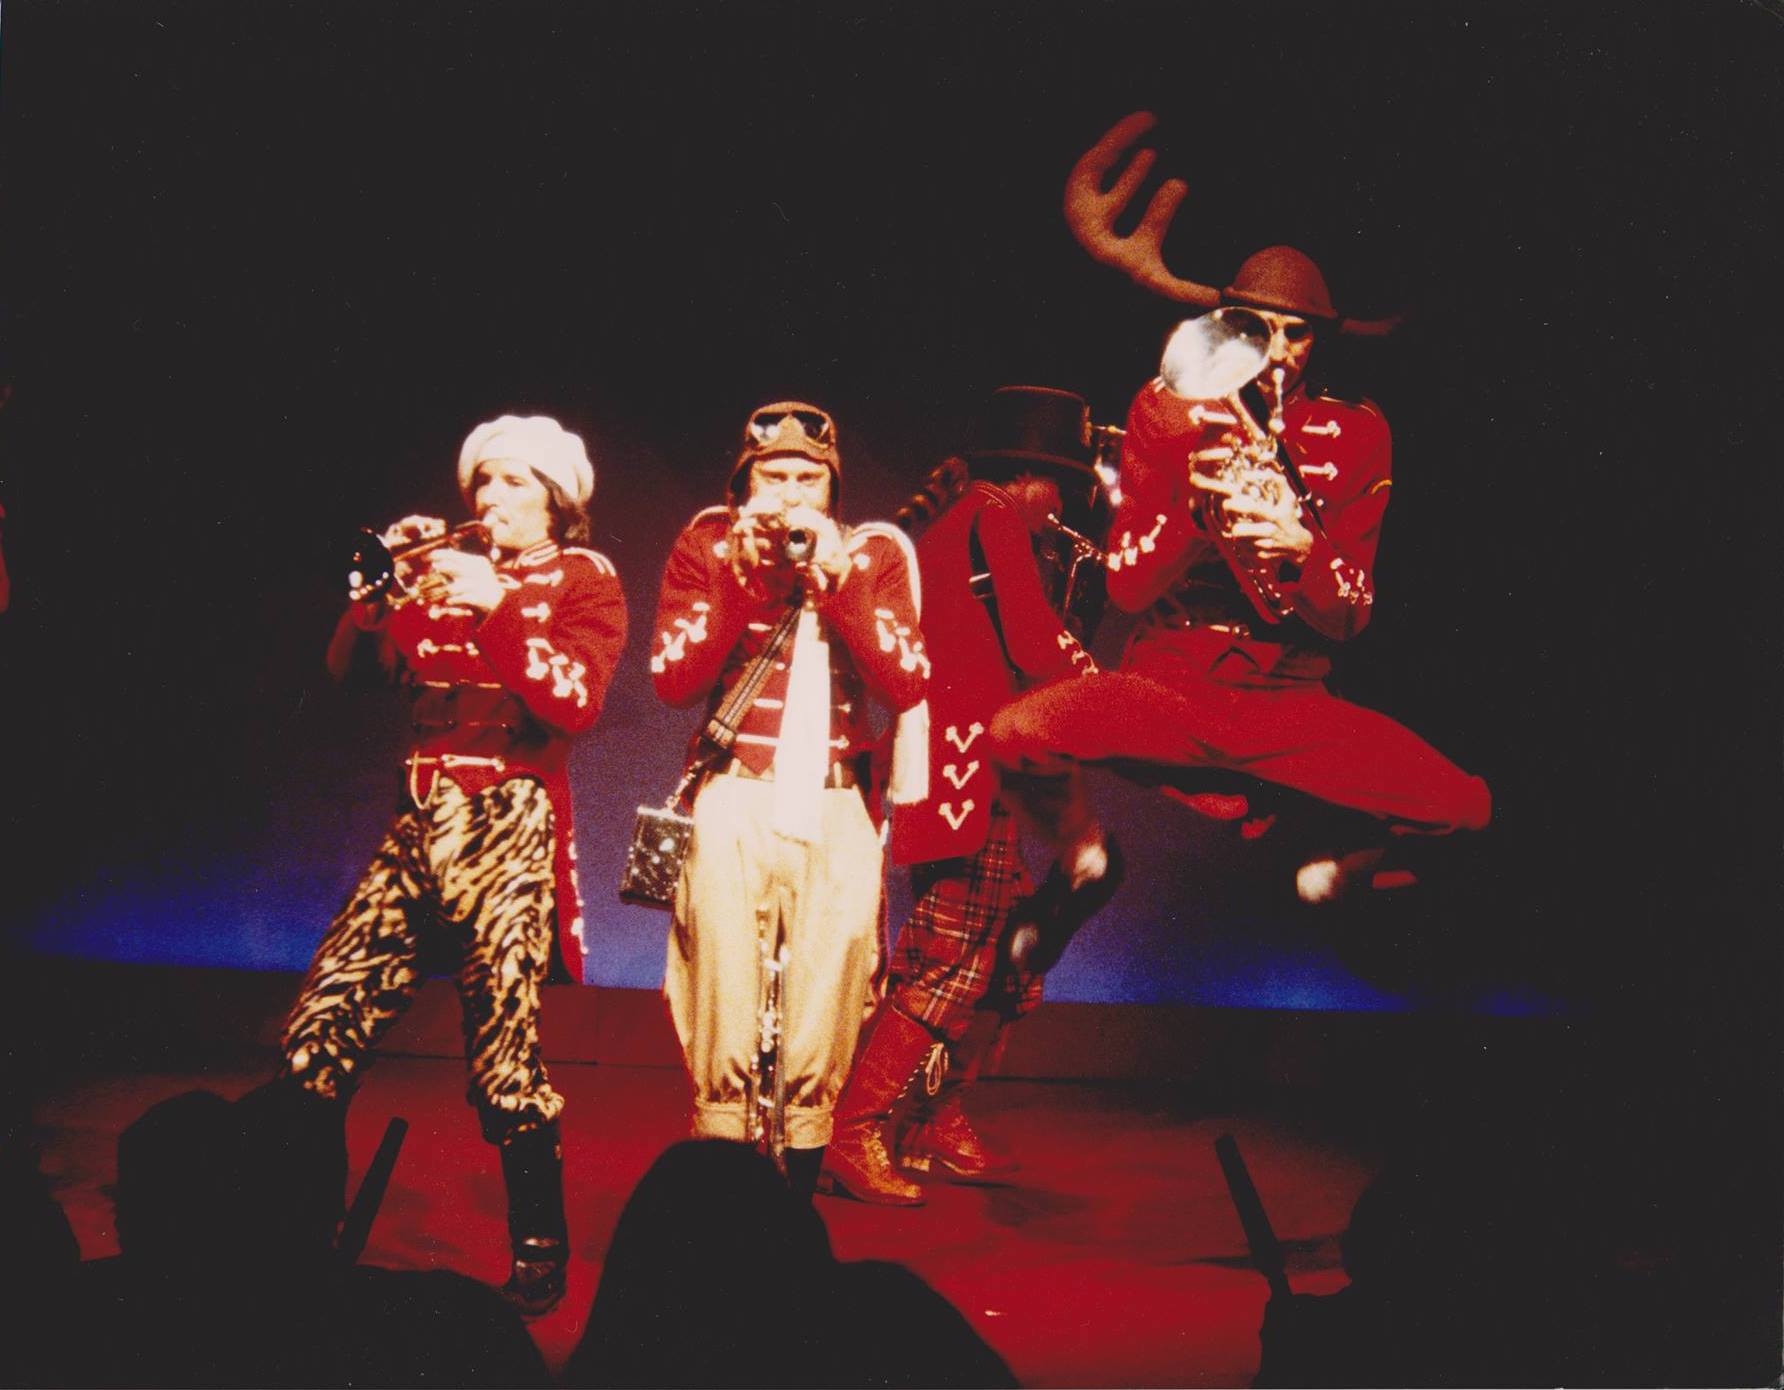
(772, 548)
(1256, 511)
(411, 529)
(463, 580)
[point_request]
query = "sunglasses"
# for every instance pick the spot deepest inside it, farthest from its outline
(813, 424)
(1294, 330)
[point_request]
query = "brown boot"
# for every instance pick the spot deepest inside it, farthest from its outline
(942, 1140)
(857, 1163)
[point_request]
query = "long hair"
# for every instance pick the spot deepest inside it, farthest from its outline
(569, 522)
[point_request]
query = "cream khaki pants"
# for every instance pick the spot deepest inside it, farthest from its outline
(826, 899)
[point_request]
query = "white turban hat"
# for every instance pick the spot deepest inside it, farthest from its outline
(539, 442)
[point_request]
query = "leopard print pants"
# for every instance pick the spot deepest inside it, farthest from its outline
(466, 882)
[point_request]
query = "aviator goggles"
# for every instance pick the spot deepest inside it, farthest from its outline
(816, 426)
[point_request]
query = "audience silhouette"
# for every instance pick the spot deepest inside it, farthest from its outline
(1481, 1255)
(718, 1274)
(42, 1257)
(226, 1217)
(227, 1212)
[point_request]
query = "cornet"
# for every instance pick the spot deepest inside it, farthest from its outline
(1209, 360)
(372, 569)
(796, 544)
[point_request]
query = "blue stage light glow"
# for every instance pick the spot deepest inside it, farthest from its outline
(230, 924)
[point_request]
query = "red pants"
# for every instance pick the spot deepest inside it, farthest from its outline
(1206, 701)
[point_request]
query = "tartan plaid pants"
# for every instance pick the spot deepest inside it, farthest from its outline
(946, 964)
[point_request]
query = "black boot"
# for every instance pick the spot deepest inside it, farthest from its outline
(802, 1171)
(1044, 923)
(533, 1169)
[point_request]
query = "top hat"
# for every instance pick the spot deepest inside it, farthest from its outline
(1035, 425)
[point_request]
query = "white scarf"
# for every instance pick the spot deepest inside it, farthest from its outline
(802, 759)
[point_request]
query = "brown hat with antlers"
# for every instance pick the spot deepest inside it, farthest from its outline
(1283, 279)
(1279, 277)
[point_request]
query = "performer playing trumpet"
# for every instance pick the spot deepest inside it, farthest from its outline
(1246, 584)
(506, 658)
(784, 855)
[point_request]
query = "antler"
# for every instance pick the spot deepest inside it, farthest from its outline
(1091, 213)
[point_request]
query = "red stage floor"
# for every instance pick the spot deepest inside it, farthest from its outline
(1113, 1259)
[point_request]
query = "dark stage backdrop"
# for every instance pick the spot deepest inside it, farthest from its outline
(267, 263)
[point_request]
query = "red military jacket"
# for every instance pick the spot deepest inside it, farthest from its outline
(709, 628)
(973, 677)
(1161, 562)
(503, 696)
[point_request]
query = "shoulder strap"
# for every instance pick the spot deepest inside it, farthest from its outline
(982, 584)
(1291, 469)
(714, 742)
(721, 729)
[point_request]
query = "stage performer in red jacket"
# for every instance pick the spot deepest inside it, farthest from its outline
(782, 881)
(1246, 582)
(506, 657)
(1008, 572)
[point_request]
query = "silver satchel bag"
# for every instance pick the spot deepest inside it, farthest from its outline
(660, 839)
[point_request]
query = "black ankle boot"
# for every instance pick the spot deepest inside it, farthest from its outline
(802, 1171)
(1044, 923)
(533, 1169)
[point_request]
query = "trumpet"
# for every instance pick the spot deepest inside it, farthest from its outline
(1210, 360)
(796, 544)
(799, 544)
(372, 568)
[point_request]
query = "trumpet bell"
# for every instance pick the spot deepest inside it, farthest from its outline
(372, 566)
(371, 569)
(1209, 358)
